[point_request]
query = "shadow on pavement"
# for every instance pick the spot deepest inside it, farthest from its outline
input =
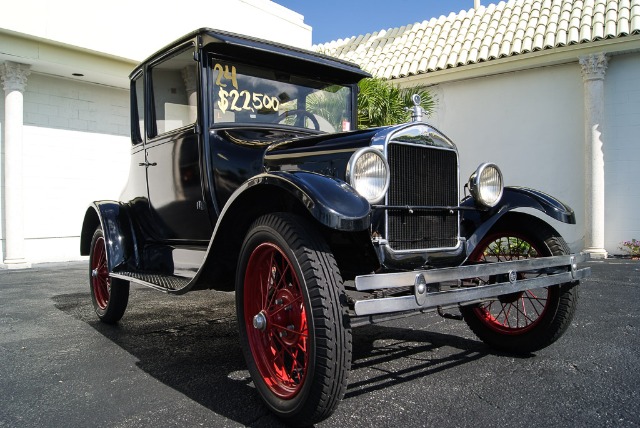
(191, 345)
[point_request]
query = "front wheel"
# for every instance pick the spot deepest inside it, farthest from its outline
(525, 321)
(294, 329)
(109, 295)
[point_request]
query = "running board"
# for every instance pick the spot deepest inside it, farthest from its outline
(185, 262)
(168, 283)
(554, 270)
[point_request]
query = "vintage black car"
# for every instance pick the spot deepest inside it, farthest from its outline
(248, 174)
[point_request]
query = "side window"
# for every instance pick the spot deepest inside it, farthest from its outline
(175, 96)
(137, 102)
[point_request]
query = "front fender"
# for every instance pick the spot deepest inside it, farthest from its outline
(477, 223)
(114, 220)
(331, 202)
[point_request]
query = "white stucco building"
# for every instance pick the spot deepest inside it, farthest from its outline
(64, 114)
(547, 89)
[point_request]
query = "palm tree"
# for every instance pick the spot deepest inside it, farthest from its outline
(380, 102)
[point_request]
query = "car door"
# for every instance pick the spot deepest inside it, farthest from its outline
(172, 152)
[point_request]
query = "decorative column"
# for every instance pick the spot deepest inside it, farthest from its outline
(593, 71)
(14, 81)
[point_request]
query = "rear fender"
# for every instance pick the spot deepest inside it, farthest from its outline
(477, 223)
(114, 220)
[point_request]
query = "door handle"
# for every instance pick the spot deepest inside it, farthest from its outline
(146, 163)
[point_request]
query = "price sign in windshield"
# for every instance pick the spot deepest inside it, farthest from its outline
(237, 99)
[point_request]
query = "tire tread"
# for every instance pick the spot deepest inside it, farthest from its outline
(558, 320)
(332, 333)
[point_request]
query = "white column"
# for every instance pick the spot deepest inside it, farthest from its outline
(593, 71)
(14, 81)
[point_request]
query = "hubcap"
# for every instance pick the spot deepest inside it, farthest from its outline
(260, 321)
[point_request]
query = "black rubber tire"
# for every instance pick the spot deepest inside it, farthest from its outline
(561, 300)
(328, 342)
(110, 296)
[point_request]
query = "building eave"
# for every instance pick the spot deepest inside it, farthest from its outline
(543, 58)
(63, 60)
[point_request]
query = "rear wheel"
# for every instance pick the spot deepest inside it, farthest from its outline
(293, 326)
(526, 321)
(109, 295)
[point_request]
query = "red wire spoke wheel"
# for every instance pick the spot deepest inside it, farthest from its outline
(110, 296)
(100, 280)
(511, 313)
(527, 321)
(278, 331)
(294, 329)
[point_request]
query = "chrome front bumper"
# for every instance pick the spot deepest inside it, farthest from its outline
(550, 270)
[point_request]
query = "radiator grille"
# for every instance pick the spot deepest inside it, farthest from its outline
(428, 177)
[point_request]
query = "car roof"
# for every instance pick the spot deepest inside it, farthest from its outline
(267, 52)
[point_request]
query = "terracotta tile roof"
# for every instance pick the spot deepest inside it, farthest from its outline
(495, 31)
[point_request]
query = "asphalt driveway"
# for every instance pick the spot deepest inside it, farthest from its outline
(176, 361)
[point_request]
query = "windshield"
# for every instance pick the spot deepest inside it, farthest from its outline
(249, 94)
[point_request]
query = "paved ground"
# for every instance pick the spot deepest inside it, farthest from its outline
(175, 361)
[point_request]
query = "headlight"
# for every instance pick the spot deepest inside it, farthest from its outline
(368, 173)
(486, 185)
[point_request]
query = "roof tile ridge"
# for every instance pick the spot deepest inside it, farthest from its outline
(404, 70)
(610, 21)
(542, 25)
(549, 40)
(444, 56)
(624, 8)
(585, 23)
(395, 70)
(527, 45)
(505, 48)
(624, 17)
(463, 55)
(634, 24)
(598, 21)
(413, 67)
(483, 53)
(433, 59)
(564, 18)
(516, 47)
(574, 23)
(456, 48)
(494, 51)
(561, 38)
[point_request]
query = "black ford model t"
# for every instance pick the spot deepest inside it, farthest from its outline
(247, 174)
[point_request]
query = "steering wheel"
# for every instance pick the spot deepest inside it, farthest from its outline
(298, 112)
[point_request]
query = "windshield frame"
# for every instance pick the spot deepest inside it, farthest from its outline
(242, 84)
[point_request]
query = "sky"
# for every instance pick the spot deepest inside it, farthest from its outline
(339, 19)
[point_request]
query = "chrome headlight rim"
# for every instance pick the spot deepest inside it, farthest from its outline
(351, 178)
(477, 186)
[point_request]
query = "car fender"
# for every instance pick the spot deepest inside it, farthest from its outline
(114, 219)
(332, 202)
(476, 223)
